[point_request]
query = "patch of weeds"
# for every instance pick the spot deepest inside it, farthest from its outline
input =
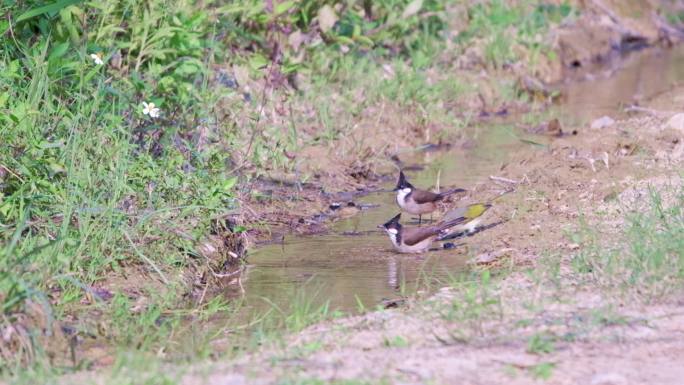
(676, 18)
(498, 50)
(541, 343)
(473, 302)
(141, 326)
(511, 370)
(317, 381)
(607, 317)
(132, 369)
(296, 352)
(542, 371)
(303, 310)
(396, 342)
(426, 281)
(522, 323)
(648, 259)
(215, 306)
(311, 347)
(506, 26)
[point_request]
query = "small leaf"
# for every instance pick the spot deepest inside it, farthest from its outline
(229, 184)
(357, 31)
(283, 7)
(241, 74)
(295, 39)
(258, 61)
(364, 40)
(91, 74)
(54, 7)
(412, 9)
(188, 68)
(344, 40)
(326, 18)
(58, 51)
(57, 168)
(4, 26)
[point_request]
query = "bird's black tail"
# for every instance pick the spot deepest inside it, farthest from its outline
(451, 191)
(451, 223)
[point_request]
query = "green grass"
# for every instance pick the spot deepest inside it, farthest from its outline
(506, 26)
(541, 343)
(396, 342)
(542, 371)
(648, 260)
(474, 301)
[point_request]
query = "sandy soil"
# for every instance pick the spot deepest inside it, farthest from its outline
(356, 349)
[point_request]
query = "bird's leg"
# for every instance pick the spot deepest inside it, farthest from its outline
(420, 216)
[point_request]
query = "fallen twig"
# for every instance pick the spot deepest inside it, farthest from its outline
(650, 111)
(502, 179)
(144, 258)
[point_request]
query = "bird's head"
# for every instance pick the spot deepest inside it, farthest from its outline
(403, 184)
(392, 226)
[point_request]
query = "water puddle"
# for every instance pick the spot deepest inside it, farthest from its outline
(349, 270)
(633, 79)
(356, 263)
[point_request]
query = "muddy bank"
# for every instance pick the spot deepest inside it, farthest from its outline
(607, 29)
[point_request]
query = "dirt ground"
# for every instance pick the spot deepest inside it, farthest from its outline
(600, 339)
(357, 349)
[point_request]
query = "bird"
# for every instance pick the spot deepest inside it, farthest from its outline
(415, 239)
(416, 201)
(349, 210)
(472, 215)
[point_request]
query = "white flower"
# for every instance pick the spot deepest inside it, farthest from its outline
(97, 58)
(150, 109)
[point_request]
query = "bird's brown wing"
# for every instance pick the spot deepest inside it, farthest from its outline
(422, 196)
(414, 235)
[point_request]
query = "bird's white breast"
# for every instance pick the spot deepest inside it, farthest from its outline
(401, 197)
(393, 236)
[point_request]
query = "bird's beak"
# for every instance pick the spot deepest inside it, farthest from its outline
(381, 226)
